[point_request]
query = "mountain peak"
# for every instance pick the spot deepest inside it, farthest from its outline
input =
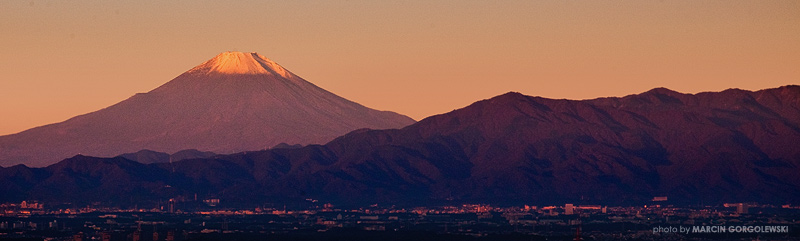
(232, 62)
(230, 103)
(663, 91)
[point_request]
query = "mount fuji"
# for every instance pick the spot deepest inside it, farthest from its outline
(231, 103)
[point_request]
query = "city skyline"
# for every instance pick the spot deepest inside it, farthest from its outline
(418, 59)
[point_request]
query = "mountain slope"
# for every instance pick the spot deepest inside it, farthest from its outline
(710, 147)
(730, 146)
(148, 156)
(231, 103)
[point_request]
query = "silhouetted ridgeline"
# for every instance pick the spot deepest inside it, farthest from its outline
(729, 146)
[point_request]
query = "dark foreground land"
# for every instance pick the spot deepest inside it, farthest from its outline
(466, 222)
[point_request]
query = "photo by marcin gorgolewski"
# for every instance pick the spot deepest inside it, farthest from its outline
(399, 120)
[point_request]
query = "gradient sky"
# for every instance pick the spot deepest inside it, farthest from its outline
(59, 59)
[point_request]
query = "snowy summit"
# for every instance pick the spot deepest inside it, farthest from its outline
(241, 63)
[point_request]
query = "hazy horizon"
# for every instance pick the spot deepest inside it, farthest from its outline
(418, 59)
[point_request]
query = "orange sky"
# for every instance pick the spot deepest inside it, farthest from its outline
(59, 59)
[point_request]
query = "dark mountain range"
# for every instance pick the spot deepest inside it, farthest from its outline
(729, 146)
(234, 102)
(148, 156)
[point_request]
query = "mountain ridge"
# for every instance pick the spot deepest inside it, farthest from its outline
(716, 147)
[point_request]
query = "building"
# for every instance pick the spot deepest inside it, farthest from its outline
(78, 237)
(171, 205)
(659, 199)
(741, 208)
(211, 202)
(568, 209)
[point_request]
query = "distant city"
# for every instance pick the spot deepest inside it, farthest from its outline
(207, 220)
